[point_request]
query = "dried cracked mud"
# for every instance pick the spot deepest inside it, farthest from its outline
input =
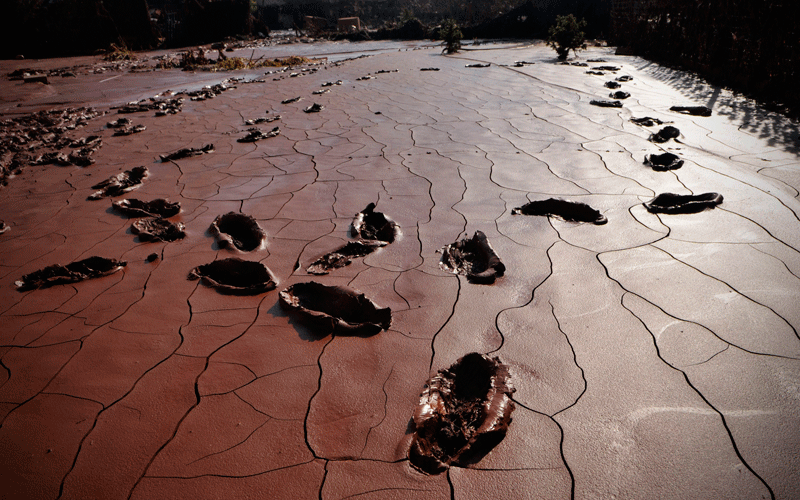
(655, 356)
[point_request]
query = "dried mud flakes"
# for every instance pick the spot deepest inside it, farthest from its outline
(343, 256)
(571, 211)
(156, 208)
(474, 258)
(93, 267)
(187, 152)
(605, 104)
(120, 183)
(371, 225)
(158, 229)
(463, 412)
(336, 309)
(665, 134)
(670, 203)
(235, 276)
(238, 230)
(257, 135)
(692, 110)
(663, 162)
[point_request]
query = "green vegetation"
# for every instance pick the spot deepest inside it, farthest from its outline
(567, 34)
(451, 35)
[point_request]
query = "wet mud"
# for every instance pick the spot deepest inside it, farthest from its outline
(371, 225)
(692, 110)
(664, 161)
(156, 208)
(670, 203)
(463, 412)
(474, 258)
(665, 134)
(343, 256)
(240, 231)
(158, 229)
(135, 129)
(571, 211)
(235, 276)
(257, 135)
(187, 153)
(93, 267)
(119, 184)
(605, 104)
(335, 309)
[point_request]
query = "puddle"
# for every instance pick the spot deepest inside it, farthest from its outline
(238, 230)
(571, 211)
(93, 267)
(463, 412)
(235, 276)
(474, 258)
(335, 309)
(670, 203)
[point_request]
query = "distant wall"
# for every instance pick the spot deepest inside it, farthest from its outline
(750, 45)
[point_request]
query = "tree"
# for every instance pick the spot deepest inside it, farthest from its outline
(567, 35)
(451, 36)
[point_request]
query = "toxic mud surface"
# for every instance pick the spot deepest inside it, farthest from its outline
(654, 356)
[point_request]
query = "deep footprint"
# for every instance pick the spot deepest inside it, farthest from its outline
(343, 256)
(235, 276)
(692, 110)
(670, 203)
(93, 267)
(571, 211)
(463, 412)
(335, 309)
(663, 162)
(158, 229)
(474, 258)
(239, 230)
(371, 225)
(120, 183)
(156, 208)
(665, 134)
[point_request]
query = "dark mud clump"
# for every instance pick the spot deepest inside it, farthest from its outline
(612, 85)
(343, 256)
(290, 101)
(463, 412)
(263, 119)
(429, 69)
(235, 276)
(135, 129)
(624, 78)
(336, 309)
(156, 208)
(187, 152)
(93, 267)
(605, 104)
(662, 162)
(478, 65)
(606, 68)
(692, 110)
(238, 230)
(120, 183)
(371, 225)
(647, 121)
(162, 107)
(158, 229)
(474, 258)
(665, 134)
(597, 73)
(314, 108)
(572, 211)
(620, 94)
(257, 135)
(670, 203)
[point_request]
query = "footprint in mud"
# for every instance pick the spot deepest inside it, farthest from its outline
(670, 203)
(665, 134)
(236, 276)
(335, 309)
(371, 225)
(238, 230)
(571, 211)
(343, 256)
(257, 135)
(474, 258)
(663, 162)
(619, 94)
(187, 153)
(647, 121)
(93, 267)
(119, 184)
(156, 208)
(158, 229)
(692, 110)
(464, 411)
(605, 104)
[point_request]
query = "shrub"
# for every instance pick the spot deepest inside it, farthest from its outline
(566, 35)
(451, 36)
